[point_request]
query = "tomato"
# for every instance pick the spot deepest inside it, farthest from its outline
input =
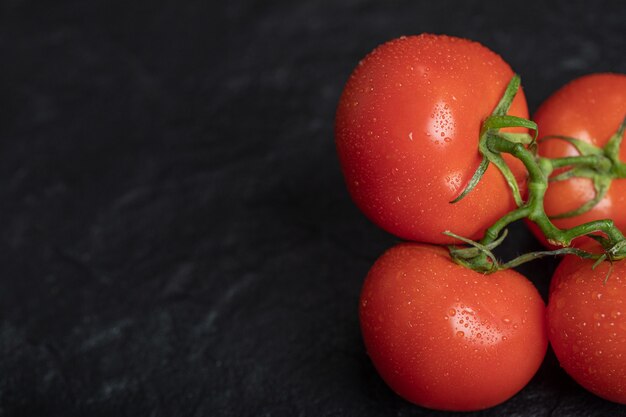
(587, 325)
(445, 337)
(590, 108)
(407, 130)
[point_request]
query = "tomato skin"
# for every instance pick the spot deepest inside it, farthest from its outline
(445, 337)
(587, 325)
(407, 130)
(589, 108)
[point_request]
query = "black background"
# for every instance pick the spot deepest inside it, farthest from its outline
(175, 235)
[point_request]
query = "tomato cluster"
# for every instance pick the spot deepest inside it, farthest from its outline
(440, 334)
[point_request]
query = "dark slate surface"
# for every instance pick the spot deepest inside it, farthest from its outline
(175, 236)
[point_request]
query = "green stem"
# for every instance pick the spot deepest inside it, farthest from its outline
(587, 160)
(531, 256)
(533, 208)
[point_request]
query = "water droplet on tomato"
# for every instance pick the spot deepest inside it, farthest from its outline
(506, 320)
(460, 333)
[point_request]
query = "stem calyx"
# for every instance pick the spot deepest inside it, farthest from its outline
(600, 165)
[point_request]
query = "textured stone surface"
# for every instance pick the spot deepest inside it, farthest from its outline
(175, 236)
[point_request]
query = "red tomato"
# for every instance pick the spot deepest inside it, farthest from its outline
(590, 108)
(445, 337)
(407, 131)
(587, 325)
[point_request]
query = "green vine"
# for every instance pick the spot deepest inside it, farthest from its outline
(601, 165)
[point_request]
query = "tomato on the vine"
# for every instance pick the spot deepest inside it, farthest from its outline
(407, 131)
(587, 324)
(590, 108)
(445, 337)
